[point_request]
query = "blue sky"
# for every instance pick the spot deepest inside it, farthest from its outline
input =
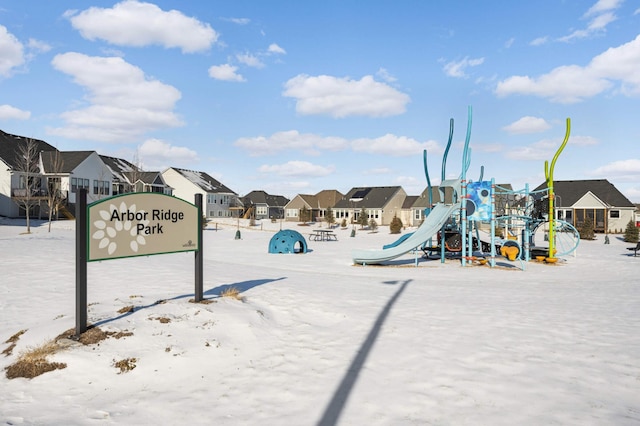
(296, 97)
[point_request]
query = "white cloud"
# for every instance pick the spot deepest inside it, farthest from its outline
(239, 21)
(38, 45)
(457, 69)
(545, 149)
(297, 169)
(539, 41)
(378, 171)
(601, 14)
(312, 144)
(225, 72)
(344, 97)
(290, 140)
(155, 152)
(581, 141)
(138, 24)
(526, 125)
(123, 102)
(249, 60)
(509, 42)
(11, 52)
(385, 75)
(573, 83)
(7, 112)
(392, 145)
(628, 170)
(603, 6)
(274, 48)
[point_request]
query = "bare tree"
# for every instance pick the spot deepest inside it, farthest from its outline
(27, 164)
(55, 197)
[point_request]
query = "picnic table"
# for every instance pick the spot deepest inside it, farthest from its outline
(323, 235)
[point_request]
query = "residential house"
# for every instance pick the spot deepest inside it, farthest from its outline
(127, 177)
(407, 212)
(379, 203)
(218, 200)
(317, 205)
(597, 199)
(264, 206)
(421, 203)
(76, 170)
(65, 172)
(14, 180)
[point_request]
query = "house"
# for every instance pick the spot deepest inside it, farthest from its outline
(407, 214)
(379, 203)
(15, 179)
(81, 169)
(263, 205)
(127, 177)
(317, 205)
(218, 200)
(597, 199)
(64, 172)
(421, 203)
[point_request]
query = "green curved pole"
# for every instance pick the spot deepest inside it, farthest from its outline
(548, 173)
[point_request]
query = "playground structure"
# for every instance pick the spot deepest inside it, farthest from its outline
(287, 241)
(467, 208)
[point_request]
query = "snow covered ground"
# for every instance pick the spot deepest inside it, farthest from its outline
(319, 341)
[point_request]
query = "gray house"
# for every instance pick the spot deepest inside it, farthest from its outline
(597, 199)
(263, 205)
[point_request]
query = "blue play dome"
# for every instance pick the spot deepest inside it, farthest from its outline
(287, 241)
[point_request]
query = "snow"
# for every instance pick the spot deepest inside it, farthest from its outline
(319, 341)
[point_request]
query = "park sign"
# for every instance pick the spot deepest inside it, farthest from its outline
(141, 224)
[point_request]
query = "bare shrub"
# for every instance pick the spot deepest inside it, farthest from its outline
(232, 293)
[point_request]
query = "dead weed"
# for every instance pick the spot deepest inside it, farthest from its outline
(33, 362)
(125, 365)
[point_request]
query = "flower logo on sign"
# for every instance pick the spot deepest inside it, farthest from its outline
(109, 230)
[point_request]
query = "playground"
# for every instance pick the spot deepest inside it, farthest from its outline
(464, 222)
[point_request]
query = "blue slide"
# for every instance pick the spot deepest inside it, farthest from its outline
(431, 225)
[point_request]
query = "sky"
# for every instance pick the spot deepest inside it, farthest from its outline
(298, 97)
(318, 341)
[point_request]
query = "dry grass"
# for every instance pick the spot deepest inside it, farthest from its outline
(33, 362)
(126, 309)
(163, 320)
(13, 340)
(125, 365)
(232, 293)
(203, 301)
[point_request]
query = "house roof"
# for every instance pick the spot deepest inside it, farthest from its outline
(327, 198)
(203, 181)
(261, 197)
(119, 167)
(9, 148)
(72, 159)
(367, 197)
(570, 191)
(409, 201)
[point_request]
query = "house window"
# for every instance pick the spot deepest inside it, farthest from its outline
(74, 184)
(418, 214)
(614, 214)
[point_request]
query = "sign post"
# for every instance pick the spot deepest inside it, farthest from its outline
(81, 262)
